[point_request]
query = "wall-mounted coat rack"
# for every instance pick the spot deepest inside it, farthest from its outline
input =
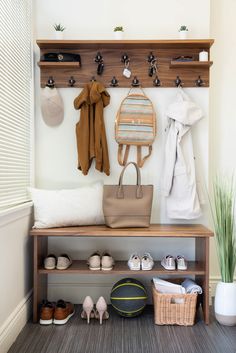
(149, 63)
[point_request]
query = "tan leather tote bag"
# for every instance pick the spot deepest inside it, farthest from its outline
(127, 206)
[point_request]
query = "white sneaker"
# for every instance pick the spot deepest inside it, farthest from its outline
(168, 262)
(134, 262)
(50, 262)
(107, 262)
(147, 262)
(63, 262)
(181, 263)
(94, 261)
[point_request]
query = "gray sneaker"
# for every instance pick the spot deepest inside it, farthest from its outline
(168, 262)
(181, 263)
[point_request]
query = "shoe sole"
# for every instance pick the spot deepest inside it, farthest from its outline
(147, 269)
(49, 268)
(107, 268)
(45, 322)
(62, 322)
(62, 268)
(95, 268)
(182, 268)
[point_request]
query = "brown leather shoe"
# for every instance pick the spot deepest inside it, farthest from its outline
(63, 312)
(46, 313)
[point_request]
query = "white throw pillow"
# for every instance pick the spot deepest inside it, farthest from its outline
(71, 207)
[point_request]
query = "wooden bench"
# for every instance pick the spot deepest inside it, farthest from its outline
(198, 268)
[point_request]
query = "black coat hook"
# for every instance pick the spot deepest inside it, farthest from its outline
(51, 82)
(153, 64)
(156, 82)
(199, 82)
(151, 57)
(98, 58)
(135, 82)
(93, 79)
(71, 81)
(125, 58)
(178, 82)
(114, 82)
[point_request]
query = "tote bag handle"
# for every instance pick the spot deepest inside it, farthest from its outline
(120, 192)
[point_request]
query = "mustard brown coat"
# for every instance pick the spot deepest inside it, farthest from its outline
(90, 130)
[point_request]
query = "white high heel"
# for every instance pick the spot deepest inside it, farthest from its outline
(101, 310)
(88, 310)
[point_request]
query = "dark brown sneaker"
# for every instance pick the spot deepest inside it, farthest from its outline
(46, 313)
(63, 312)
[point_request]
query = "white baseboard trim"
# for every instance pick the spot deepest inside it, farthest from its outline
(15, 323)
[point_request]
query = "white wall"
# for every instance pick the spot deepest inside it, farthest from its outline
(154, 19)
(222, 96)
(15, 274)
(56, 156)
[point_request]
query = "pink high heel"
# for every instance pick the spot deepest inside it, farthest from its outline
(88, 310)
(101, 310)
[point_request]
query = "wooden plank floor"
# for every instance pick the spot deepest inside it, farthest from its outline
(119, 335)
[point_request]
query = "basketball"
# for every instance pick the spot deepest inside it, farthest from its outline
(128, 297)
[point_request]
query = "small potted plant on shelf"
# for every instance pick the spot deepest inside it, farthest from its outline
(223, 213)
(119, 32)
(59, 29)
(183, 32)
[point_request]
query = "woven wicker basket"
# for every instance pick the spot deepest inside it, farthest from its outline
(167, 312)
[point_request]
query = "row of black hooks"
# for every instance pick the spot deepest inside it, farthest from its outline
(135, 82)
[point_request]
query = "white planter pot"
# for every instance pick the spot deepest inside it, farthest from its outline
(183, 34)
(225, 303)
(59, 35)
(119, 35)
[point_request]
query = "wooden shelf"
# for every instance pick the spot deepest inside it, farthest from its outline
(155, 230)
(124, 44)
(121, 268)
(137, 50)
(58, 65)
(189, 64)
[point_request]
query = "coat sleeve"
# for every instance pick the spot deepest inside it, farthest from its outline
(170, 159)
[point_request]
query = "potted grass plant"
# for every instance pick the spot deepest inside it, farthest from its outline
(223, 212)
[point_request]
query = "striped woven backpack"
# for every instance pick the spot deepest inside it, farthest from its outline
(135, 125)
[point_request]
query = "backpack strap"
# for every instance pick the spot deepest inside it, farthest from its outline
(140, 160)
(123, 161)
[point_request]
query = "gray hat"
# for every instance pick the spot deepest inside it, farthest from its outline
(52, 106)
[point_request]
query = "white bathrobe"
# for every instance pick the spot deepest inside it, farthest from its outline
(179, 184)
